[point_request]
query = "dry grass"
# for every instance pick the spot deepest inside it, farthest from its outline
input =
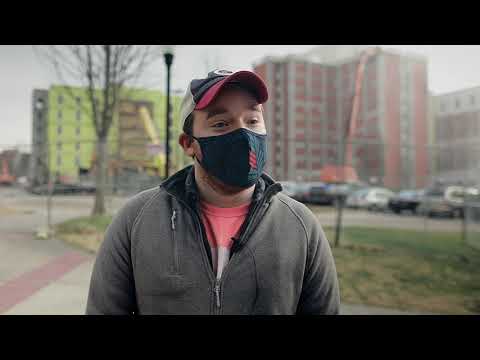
(408, 270)
(86, 232)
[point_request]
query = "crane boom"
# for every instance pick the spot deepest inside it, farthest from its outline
(345, 172)
(352, 124)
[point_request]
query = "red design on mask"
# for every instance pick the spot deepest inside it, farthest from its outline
(253, 160)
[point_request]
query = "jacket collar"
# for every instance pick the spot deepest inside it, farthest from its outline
(182, 185)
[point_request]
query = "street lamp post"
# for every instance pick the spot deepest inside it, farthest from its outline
(39, 105)
(168, 56)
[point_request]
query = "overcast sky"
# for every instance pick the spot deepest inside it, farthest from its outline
(450, 67)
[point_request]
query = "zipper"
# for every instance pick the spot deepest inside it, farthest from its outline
(217, 293)
(175, 245)
(263, 205)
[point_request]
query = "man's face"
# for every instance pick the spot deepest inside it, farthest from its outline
(234, 108)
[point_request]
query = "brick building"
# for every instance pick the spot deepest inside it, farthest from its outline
(457, 136)
(310, 104)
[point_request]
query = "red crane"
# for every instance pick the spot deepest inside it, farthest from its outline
(346, 172)
(5, 177)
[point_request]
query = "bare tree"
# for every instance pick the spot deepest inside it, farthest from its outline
(105, 71)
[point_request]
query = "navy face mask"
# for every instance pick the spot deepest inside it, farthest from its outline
(236, 159)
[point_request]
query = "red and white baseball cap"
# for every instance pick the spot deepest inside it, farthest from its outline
(201, 92)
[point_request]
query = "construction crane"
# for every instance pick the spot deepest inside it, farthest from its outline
(5, 177)
(346, 172)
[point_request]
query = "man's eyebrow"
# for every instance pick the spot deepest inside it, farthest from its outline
(256, 107)
(216, 111)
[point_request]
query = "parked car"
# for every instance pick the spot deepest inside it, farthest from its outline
(472, 205)
(406, 200)
(445, 201)
(375, 199)
(302, 191)
(354, 199)
(318, 194)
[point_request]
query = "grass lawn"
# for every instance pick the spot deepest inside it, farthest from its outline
(408, 270)
(86, 232)
(393, 268)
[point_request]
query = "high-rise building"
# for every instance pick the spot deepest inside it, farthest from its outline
(457, 136)
(64, 137)
(310, 105)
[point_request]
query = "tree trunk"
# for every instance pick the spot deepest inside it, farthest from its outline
(100, 177)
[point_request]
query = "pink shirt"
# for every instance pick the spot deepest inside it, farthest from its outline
(221, 224)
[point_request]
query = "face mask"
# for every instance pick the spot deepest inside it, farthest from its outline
(236, 159)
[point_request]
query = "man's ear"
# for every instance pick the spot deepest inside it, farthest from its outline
(186, 143)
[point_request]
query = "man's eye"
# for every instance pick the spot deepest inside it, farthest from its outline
(253, 121)
(220, 124)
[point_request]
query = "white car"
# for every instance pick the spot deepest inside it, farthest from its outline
(375, 199)
(355, 198)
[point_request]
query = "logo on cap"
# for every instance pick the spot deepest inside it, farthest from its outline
(223, 72)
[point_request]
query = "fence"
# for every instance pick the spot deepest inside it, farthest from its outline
(395, 166)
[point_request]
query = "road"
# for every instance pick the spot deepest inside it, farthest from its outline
(51, 277)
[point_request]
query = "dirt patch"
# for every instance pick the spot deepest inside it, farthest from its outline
(89, 242)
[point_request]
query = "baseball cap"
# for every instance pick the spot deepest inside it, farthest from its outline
(201, 92)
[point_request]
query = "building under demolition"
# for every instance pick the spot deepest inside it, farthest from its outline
(64, 137)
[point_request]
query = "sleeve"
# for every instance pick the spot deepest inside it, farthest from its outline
(112, 290)
(320, 291)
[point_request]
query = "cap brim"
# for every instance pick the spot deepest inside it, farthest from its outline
(248, 78)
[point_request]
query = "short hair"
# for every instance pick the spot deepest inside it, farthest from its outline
(188, 125)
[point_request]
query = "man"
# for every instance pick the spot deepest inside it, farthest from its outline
(218, 237)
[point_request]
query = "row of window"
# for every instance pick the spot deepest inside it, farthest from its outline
(59, 161)
(60, 130)
(458, 127)
(78, 100)
(78, 115)
(458, 103)
(60, 144)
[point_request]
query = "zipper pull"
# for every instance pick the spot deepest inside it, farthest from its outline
(217, 292)
(174, 215)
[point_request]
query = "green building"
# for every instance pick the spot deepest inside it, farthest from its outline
(64, 138)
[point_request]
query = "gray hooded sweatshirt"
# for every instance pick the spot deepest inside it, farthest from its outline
(155, 258)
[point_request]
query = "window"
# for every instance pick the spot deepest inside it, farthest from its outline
(59, 160)
(77, 146)
(78, 100)
(59, 129)
(442, 107)
(78, 115)
(59, 145)
(77, 131)
(77, 161)
(457, 103)
(60, 99)
(472, 100)
(59, 115)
